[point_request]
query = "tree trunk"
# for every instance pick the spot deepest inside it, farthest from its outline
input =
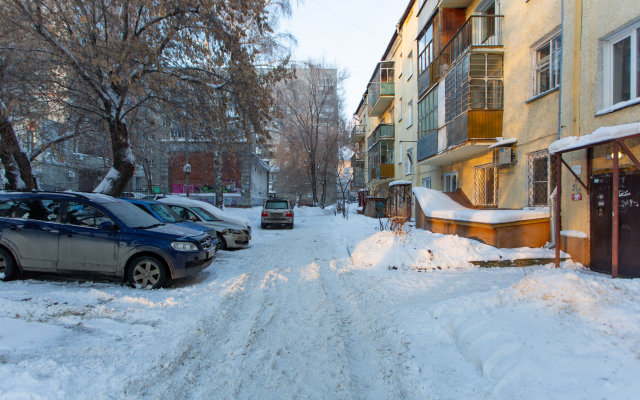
(217, 178)
(147, 174)
(123, 161)
(16, 163)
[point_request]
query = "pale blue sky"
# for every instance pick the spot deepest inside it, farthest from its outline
(351, 34)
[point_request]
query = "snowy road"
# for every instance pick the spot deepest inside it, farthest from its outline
(332, 309)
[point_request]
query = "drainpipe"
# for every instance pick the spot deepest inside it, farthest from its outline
(556, 201)
(561, 69)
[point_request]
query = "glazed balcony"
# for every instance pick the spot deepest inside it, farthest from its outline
(381, 89)
(479, 31)
(380, 152)
(357, 133)
(358, 174)
(382, 131)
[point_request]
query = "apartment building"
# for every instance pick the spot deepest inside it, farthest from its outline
(497, 82)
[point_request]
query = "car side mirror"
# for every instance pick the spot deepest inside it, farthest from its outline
(107, 227)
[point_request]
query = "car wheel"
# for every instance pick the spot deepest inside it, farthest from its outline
(8, 269)
(147, 272)
(223, 243)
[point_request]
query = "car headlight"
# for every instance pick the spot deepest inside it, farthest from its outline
(184, 246)
(235, 231)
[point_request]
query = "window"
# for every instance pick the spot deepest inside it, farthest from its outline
(409, 113)
(425, 49)
(410, 65)
(32, 209)
(450, 182)
(538, 167)
(409, 164)
(84, 215)
(426, 182)
(485, 185)
(428, 113)
(547, 65)
(622, 66)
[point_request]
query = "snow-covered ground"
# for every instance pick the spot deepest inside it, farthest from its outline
(333, 309)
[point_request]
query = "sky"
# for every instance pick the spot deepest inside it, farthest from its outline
(351, 34)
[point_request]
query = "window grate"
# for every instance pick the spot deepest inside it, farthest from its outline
(486, 185)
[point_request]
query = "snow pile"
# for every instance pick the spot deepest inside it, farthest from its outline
(420, 249)
(436, 204)
(602, 134)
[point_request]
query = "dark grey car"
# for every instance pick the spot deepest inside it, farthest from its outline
(277, 212)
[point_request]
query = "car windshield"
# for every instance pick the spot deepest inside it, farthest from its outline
(204, 214)
(131, 215)
(277, 205)
(166, 213)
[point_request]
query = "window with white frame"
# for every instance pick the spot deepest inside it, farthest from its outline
(450, 182)
(547, 65)
(622, 66)
(409, 162)
(410, 65)
(409, 113)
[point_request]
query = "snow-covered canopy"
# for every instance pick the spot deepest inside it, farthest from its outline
(399, 182)
(600, 135)
(503, 142)
(436, 204)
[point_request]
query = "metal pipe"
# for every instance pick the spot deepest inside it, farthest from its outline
(558, 206)
(615, 223)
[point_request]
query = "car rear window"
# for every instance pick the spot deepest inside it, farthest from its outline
(277, 205)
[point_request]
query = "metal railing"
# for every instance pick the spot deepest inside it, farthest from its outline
(477, 31)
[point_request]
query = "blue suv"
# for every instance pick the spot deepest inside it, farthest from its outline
(165, 214)
(67, 232)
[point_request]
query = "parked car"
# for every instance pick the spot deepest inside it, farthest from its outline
(66, 232)
(231, 235)
(278, 212)
(165, 214)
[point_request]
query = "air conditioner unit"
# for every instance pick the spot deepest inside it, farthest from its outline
(504, 156)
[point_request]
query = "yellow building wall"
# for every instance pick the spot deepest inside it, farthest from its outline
(587, 23)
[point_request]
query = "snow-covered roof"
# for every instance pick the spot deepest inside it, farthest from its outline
(504, 142)
(436, 204)
(600, 135)
(399, 182)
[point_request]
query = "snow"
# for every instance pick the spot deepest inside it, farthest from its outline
(333, 309)
(572, 233)
(436, 204)
(399, 182)
(602, 134)
(503, 142)
(223, 215)
(618, 106)
(107, 183)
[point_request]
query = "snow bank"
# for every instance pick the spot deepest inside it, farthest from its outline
(602, 134)
(420, 249)
(436, 204)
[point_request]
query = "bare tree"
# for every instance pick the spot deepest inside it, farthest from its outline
(119, 54)
(310, 126)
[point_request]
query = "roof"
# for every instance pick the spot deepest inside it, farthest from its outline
(601, 135)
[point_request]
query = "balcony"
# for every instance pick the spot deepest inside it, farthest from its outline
(382, 131)
(479, 31)
(358, 174)
(381, 90)
(467, 136)
(357, 133)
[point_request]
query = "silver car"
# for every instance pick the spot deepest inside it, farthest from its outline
(232, 236)
(277, 212)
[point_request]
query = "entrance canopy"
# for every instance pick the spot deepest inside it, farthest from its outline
(616, 135)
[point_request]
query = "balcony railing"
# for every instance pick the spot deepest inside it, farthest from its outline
(358, 132)
(428, 145)
(477, 31)
(382, 131)
(381, 89)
